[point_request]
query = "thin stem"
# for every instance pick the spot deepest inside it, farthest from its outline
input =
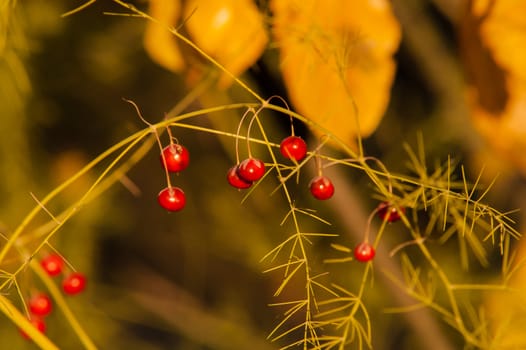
(249, 110)
(193, 46)
(457, 316)
(140, 134)
(63, 306)
(158, 138)
(24, 324)
(298, 242)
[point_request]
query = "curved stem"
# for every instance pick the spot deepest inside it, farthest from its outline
(63, 306)
(249, 110)
(101, 157)
(193, 46)
(23, 323)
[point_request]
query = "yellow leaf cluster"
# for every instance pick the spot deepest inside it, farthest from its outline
(336, 56)
(336, 60)
(230, 31)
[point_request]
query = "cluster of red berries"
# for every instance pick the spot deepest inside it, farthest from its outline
(73, 283)
(293, 147)
(174, 158)
(40, 304)
(364, 251)
(245, 173)
(242, 175)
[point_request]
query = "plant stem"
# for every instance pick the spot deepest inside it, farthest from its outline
(23, 323)
(345, 203)
(63, 306)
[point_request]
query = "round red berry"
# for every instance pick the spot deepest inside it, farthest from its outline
(38, 323)
(321, 187)
(172, 198)
(389, 212)
(364, 252)
(251, 169)
(52, 264)
(234, 179)
(40, 305)
(74, 283)
(293, 147)
(176, 156)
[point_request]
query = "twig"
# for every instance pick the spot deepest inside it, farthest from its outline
(346, 205)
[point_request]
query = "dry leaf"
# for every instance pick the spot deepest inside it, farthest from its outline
(336, 59)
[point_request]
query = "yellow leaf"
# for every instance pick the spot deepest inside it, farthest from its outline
(159, 43)
(494, 41)
(336, 59)
(503, 29)
(231, 31)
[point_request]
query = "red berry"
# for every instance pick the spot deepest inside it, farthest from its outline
(234, 179)
(176, 156)
(251, 169)
(38, 324)
(172, 199)
(52, 264)
(389, 212)
(40, 305)
(321, 187)
(364, 252)
(74, 283)
(293, 147)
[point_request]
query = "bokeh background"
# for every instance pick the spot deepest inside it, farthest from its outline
(193, 280)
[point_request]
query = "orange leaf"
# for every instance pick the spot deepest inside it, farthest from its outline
(159, 43)
(336, 59)
(231, 31)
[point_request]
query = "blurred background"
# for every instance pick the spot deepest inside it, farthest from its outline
(193, 279)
